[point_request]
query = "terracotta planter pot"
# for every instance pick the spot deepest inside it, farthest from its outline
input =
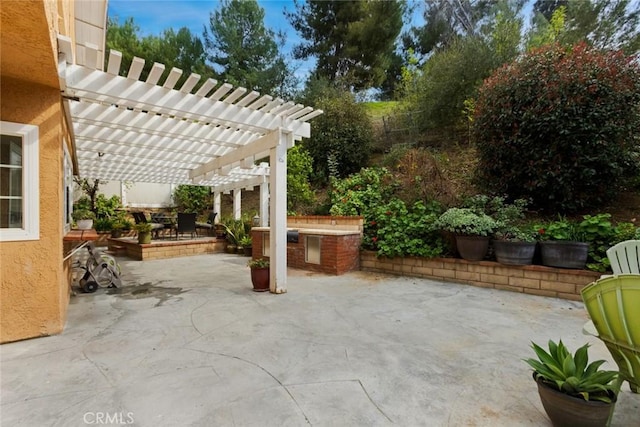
(514, 253)
(568, 411)
(564, 254)
(260, 279)
(472, 248)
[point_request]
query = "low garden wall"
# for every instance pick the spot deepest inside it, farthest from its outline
(529, 279)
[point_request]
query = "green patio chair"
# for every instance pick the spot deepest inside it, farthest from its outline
(613, 304)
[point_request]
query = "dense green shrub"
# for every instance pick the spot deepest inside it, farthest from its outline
(397, 230)
(558, 126)
(299, 168)
(391, 228)
(341, 138)
(192, 198)
(360, 192)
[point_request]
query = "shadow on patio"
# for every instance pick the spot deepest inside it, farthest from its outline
(186, 342)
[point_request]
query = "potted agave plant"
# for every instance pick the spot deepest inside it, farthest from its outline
(472, 230)
(574, 392)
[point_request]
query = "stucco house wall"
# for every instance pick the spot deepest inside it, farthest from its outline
(34, 279)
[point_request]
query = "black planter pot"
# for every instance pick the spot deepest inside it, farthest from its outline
(472, 248)
(564, 254)
(514, 253)
(568, 411)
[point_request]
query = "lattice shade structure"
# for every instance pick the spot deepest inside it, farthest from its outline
(139, 131)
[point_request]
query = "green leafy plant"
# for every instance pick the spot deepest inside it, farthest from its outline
(245, 241)
(103, 224)
(399, 230)
(466, 221)
(191, 198)
(572, 374)
(80, 214)
(143, 227)
(561, 229)
(258, 263)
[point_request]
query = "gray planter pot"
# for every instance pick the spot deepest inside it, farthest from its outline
(514, 253)
(564, 254)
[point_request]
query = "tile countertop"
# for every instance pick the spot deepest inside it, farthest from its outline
(317, 231)
(80, 235)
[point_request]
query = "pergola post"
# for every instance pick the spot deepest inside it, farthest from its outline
(237, 203)
(264, 204)
(278, 214)
(216, 206)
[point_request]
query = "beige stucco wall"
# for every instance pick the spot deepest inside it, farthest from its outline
(34, 291)
(34, 280)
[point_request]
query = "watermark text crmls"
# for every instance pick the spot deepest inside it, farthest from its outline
(108, 418)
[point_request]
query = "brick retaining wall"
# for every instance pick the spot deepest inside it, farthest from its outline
(530, 279)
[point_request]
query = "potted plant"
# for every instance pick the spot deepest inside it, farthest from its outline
(144, 232)
(247, 244)
(562, 244)
(83, 218)
(259, 274)
(514, 246)
(573, 392)
(471, 230)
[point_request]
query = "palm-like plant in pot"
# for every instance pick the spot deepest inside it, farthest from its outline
(471, 229)
(573, 391)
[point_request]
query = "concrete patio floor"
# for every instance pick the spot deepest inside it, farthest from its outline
(187, 343)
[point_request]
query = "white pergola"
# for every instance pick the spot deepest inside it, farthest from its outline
(126, 129)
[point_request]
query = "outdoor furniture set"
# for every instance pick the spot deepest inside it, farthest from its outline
(180, 223)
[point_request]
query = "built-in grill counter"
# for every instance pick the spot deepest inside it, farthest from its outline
(318, 243)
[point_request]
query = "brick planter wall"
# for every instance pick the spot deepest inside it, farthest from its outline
(530, 279)
(166, 249)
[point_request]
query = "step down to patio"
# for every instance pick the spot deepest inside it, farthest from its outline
(117, 250)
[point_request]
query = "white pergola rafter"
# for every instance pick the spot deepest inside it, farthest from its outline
(210, 134)
(127, 128)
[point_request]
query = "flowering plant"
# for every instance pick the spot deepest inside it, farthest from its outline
(466, 221)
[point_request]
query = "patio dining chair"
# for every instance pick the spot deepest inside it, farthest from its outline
(186, 224)
(613, 304)
(209, 225)
(625, 257)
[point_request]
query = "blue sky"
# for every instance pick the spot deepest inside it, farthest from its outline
(154, 16)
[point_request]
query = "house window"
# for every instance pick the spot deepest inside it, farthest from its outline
(67, 189)
(19, 189)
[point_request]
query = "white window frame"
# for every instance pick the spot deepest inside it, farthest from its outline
(30, 183)
(67, 187)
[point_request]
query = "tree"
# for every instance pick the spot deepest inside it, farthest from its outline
(90, 188)
(559, 126)
(445, 21)
(243, 50)
(453, 73)
(182, 50)
(612, 24)
(353, 41)
(341, 138)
